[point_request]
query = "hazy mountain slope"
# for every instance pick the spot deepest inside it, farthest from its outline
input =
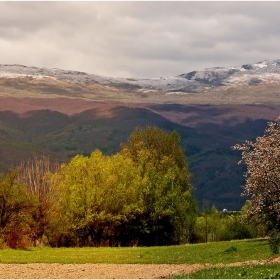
(230, 114)
(15, 145)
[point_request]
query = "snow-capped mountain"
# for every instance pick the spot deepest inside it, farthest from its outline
(267, 71)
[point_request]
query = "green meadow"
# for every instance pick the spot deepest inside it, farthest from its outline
(212, 253)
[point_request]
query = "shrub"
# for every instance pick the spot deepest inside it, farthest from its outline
(17, 238)
(274, 242)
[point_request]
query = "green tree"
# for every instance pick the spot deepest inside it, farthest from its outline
(214, 224)
(206, 210)
(233, 228)
(167, 205)
(94, 196)
(141, 196)
(256, 227)
(208, 224)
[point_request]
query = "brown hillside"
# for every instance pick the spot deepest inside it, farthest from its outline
(189, 115)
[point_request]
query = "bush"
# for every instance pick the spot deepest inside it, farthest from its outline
(17, 238)
(274, 242)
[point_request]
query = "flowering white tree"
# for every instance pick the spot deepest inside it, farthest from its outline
(263, 175)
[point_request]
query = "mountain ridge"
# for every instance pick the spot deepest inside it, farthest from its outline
(267, 71)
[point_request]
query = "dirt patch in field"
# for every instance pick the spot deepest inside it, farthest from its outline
(94, 271)
(108, 271)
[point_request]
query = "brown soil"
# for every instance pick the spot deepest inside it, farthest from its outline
(108, 271)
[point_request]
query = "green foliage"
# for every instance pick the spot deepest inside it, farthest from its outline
(255, 225)
(168, 206)
(274, 242)
(94, 195)
(212, 225)
(141, 196)
(234, 228)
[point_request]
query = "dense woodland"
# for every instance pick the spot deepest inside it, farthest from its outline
(141, 196)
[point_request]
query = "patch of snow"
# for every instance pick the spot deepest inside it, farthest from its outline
(16, 75)
(179, 93)
(260, 65)
(246, 78)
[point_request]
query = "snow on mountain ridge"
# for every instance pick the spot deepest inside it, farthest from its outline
(252, 74)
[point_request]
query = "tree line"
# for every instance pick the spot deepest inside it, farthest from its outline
(141, 196)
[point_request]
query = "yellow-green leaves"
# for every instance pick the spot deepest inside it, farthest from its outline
(139, 196)
(165, 185)
(96, 193)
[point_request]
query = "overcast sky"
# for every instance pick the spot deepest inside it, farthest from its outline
(138, 39)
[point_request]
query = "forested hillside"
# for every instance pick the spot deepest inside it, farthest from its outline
(217, 176)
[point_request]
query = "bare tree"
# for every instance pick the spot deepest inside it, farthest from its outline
(263, 175)
(32, 174)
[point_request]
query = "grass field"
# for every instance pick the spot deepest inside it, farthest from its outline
(212, 253)
(271, 271)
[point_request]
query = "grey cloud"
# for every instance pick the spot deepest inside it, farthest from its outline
(139, 39)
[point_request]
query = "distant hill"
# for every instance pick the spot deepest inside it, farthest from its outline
(62, 113)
